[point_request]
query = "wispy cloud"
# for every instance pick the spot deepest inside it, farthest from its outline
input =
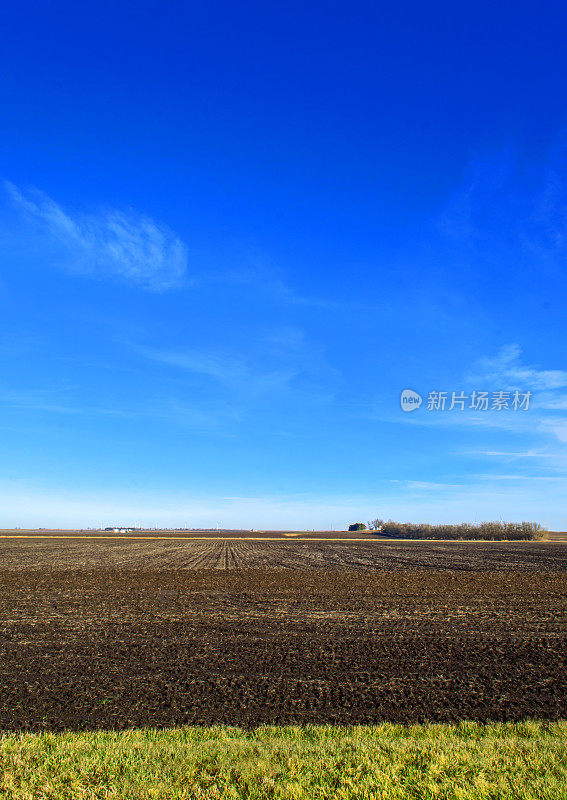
(556, 426)
(513, 455)
(499, 477)
(484, 185)
(545, 234)
(232, 371)
(208, 419)
(269, 361)
(507, 370)
(122, 245)
(257, 271)
(519, 227)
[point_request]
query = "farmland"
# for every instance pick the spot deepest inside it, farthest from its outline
(284, 552)
(120, 634)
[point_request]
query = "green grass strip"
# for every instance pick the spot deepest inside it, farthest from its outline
(465, 761)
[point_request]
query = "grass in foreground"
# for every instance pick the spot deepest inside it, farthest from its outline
(465, 761)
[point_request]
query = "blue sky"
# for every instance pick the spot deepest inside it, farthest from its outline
(232, 234)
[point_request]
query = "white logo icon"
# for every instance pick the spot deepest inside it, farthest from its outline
(410, 400)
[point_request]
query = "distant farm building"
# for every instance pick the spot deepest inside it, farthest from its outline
(120, 530)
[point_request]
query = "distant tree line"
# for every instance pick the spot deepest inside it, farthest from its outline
(491, 531)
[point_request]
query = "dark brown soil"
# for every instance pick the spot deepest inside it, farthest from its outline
(106, 648)
(290, 553)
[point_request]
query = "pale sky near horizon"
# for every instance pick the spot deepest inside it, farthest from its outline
(232, 234)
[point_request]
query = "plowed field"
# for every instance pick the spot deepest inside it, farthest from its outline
(98, 648)
(71, 553)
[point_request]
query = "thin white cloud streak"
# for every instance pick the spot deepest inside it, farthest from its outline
(550, 402)
(274, 361)
(500, 477)
(122, 245)
(209, 419)
(544, 461)
(506, 370)
(515, 455)
(231, 371)
(258, 273)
